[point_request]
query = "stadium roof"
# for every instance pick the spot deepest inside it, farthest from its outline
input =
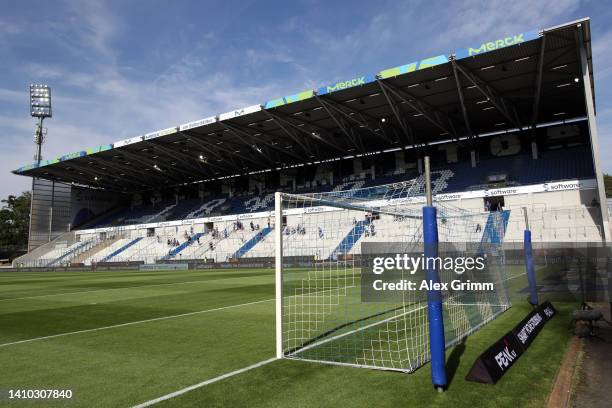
(500, 85)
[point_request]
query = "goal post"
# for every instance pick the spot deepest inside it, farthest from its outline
(435, 315)
(324, 242)
(278, 275)
(529, 262)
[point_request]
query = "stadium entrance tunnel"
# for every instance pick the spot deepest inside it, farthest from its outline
(495, 203)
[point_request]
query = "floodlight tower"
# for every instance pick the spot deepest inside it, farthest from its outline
(40, 107)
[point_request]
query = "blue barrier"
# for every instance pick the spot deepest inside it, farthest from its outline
(120, 250)
(247, 246)
(184, 245)
(350, 239)
(529, 266)
(437, 344)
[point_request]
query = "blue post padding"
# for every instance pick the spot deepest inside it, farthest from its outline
(437, 344)
(533, 290)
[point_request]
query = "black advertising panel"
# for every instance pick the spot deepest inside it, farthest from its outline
(495, 361)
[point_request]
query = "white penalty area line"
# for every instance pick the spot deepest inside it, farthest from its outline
(203, 384)
(155, 319)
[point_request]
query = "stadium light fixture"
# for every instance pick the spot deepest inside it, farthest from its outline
(40, 107)
(40, 101)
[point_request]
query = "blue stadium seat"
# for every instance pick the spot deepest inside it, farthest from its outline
(520, 169)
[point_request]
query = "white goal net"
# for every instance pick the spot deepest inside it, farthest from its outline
(321, 314)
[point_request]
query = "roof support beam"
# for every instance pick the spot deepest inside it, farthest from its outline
(408, 135)
(466, 117)
(138, 159)
(589, 101)
(356, 116)
(105, 176)
(564, 51)
(66, 175)
(340, 124)
(241, 133)
(305, 147)
(84, 170)
(188, 158)
(365, 117)
(492, 95)
(122, 167)
(424, 109)
(184, 175)
(323, 134)
(536, 101)
(228, 159)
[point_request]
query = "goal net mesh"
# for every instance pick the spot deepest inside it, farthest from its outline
(324, 317)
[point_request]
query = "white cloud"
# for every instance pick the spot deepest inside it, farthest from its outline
(477, 19)
(96, 102)
(10, 28)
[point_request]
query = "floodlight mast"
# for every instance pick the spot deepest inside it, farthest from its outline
(38, 140)
(40, 107)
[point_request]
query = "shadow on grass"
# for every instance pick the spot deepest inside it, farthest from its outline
(452, 364)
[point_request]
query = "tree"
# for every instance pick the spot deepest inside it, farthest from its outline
(14, 224)
(608, 184)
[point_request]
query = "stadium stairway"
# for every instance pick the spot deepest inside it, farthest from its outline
(492, 234)
(118, 251)
(34, 257)
(67, 255)
(347, 243)
(252, 242)
(184, 245)
(94, 249)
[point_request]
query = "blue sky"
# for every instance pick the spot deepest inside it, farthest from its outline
(123, 68)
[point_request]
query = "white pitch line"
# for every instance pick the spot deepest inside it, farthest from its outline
(203, 384)
(133, 323)
(123, 287)
(318, 343)
(517, 276)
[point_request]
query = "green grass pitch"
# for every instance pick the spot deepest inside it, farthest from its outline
(219, 321)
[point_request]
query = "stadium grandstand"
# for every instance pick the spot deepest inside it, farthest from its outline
(508, 123)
